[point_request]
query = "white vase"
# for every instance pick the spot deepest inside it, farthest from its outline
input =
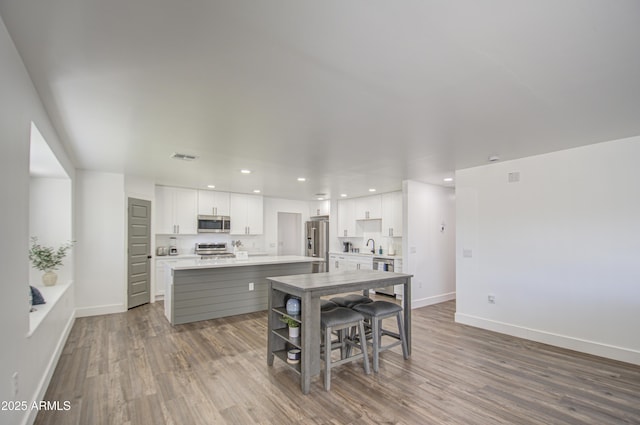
(49, 278)
(294, 332)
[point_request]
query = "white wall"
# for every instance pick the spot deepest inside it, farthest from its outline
(31, 357)
(428, 252)
(559, 250)
(50, 220)
(100, 251)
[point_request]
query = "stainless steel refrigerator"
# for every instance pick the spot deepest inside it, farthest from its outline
(317, 243)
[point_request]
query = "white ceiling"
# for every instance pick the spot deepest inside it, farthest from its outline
(349, 94)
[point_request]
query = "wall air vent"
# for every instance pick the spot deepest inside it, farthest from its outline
(183, 156)
(514, 177)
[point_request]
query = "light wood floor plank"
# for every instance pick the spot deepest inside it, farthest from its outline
(135, 368)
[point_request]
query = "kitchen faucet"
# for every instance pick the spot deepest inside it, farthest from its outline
(373, 248)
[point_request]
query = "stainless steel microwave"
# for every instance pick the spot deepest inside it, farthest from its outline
(214, 224)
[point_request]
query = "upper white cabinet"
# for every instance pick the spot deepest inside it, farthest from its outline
(367, 208)
(246, 213)
(392, 214)
(176, 210)
(346, 222)
(211, 202)
(386, 208)
(319, 208)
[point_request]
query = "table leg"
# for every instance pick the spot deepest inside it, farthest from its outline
(270, 324)
(310, 340)
(407, 312)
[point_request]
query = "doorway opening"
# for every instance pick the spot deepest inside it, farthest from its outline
(290, 233)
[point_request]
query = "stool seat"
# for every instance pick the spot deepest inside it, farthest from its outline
(339, 316)
(351, 300)
(378, 308)
(327, 305)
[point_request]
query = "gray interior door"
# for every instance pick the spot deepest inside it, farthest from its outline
(139, 252)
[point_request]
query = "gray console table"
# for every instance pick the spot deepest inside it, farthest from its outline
(310, 287)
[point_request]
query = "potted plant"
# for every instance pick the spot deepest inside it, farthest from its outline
(47, 259)
(294, 327)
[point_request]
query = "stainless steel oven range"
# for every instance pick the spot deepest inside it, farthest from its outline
(211, 250)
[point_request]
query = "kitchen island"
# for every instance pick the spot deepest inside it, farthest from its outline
(198, 289)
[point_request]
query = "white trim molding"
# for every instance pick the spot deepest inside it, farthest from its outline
(584, 346)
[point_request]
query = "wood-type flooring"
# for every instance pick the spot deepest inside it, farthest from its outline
(134, 368)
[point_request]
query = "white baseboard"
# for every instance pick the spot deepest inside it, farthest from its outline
(51, 367)
(590, 347)
(436, 299)
(100, 310)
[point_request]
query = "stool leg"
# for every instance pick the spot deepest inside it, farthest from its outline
(327, 359)
(363, 347)
(405, 352)
(375, 341)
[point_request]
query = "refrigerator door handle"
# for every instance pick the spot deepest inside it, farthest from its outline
(313, 242)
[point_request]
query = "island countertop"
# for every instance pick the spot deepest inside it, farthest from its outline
(196, 263)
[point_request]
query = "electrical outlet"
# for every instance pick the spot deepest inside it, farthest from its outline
(14, 383)
(491, 299)
(251, 286)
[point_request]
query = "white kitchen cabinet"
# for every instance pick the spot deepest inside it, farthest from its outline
(176, 210)
(360, 262)
(392, 214)
(211, 202)
(346, 226)
(246, 212)
(346, 262)
(339, 263)
(160, 276)
(397, 267)
(319, 208)
(367, 208)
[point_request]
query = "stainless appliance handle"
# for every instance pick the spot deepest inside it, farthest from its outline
(313, 242)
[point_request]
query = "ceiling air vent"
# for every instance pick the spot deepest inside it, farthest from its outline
(183, 156)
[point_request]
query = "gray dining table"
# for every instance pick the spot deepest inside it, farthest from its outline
(309, 288)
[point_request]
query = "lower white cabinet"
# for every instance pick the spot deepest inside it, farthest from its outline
(339, 262)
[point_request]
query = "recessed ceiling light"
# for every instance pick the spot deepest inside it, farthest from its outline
(302, 179)
(320, 199)
(372, 190)
(448, 179)
(493, 158)
(256, 191)
(245, 171)
(344, 195)
(211, 186)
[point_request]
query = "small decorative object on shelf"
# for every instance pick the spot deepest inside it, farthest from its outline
(48, 259)
(293, 356)
(293, 306)
(294, 327)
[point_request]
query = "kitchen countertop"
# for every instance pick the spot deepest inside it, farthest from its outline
(366, 254)
(192, 256)
(196, 263)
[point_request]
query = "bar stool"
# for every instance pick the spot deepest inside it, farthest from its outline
(327, 305)
(351, 300)
(339, 319)
(375, 312)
